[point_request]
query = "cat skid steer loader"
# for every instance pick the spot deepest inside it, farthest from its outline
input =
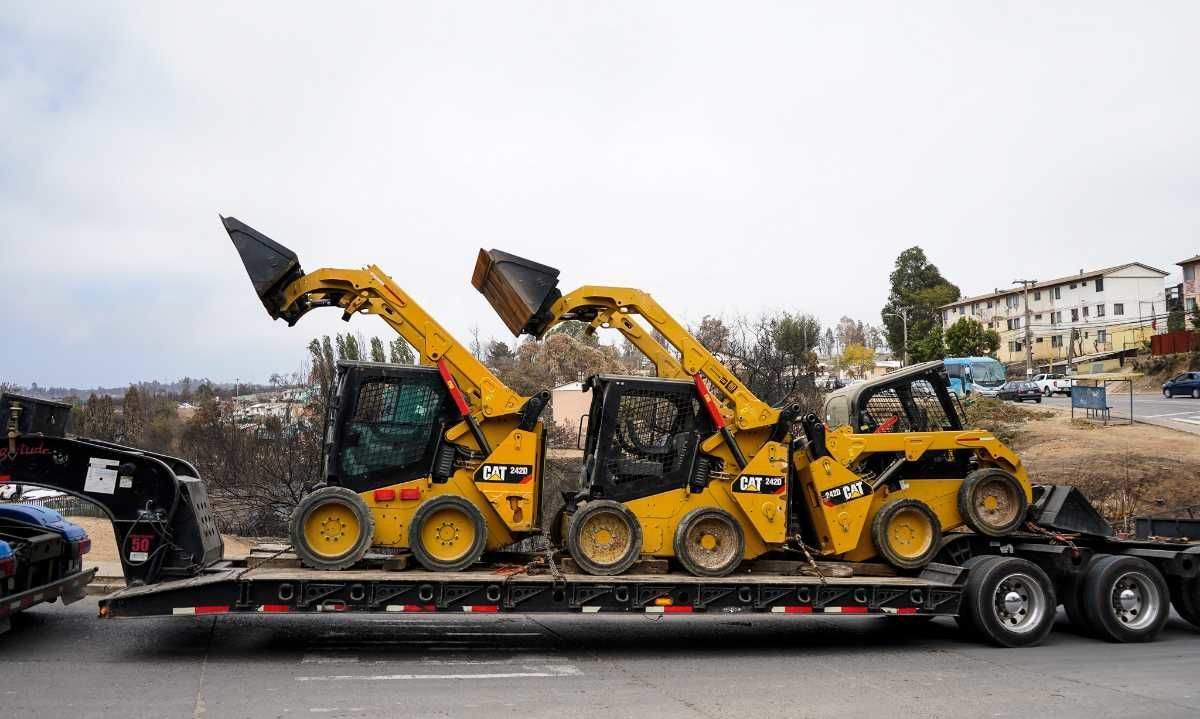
(693, 466)
(443, 460)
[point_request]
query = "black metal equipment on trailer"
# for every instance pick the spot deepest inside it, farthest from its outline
(1004, 590)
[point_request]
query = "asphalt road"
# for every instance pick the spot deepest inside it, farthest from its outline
(1182, 413)
(63, 662)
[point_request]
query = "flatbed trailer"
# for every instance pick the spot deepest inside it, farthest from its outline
(942, 589)
(496, 589)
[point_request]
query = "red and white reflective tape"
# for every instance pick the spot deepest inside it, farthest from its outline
(410, 608)
(274, 608)
(481, 608)
(201, 610)
(671, 609)
(845, 610)
(899, 610)
(331, 606)
(795, 609)
(590, 610)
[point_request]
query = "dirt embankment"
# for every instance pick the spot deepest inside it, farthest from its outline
(1156, 370)
(1126, 470)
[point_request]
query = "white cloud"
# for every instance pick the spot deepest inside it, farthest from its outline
(778, 156)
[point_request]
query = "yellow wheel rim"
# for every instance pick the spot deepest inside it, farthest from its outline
(996, 502)
(909, 533)
(331, 529)
(448, 534)
(711, 543)
(604, 538)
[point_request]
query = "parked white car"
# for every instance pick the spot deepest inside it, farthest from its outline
(1050, 384)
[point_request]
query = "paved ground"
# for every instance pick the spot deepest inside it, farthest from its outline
(1182, 413)
(63, 662)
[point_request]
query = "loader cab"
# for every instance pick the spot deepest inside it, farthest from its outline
(643, 437)
(913, 399)
(385, 424)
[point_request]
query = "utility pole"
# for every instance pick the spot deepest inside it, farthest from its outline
(1028, 327)
(903, 315)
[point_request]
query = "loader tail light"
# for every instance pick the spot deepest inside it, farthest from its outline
(83, 546)
(385, 495)
(410, 493)
(8, 566)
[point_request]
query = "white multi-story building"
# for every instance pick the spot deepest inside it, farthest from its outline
(1111, 309)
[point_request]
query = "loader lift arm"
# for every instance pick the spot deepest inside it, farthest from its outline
(526, 297)
(289, 293)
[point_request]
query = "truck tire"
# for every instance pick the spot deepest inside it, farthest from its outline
(906, 533)
(604, 538)
(1125, 599)
(331, 529)
(1070, 593)
(447, 534)
(1007, 601)
(1185, 597)
(992, 502)
(709, 542)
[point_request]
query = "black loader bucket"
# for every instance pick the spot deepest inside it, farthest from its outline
(1065, 509)
(520, 290)
(271, 266)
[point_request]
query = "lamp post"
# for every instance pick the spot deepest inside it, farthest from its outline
(903, 315)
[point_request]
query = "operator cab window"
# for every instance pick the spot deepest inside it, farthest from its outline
(392, 426)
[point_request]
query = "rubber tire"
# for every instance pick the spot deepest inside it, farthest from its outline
(681, 532)
(574, 527)
(1185, 597)
(1038, 400)
(966, 507)
(1167, 393)
(1046, 391)
(879, 529)
(1070, 595)
(960, 619)
(1196, 394)
(428, 507)
(976, 614)
(296, 528)
(1097, 592)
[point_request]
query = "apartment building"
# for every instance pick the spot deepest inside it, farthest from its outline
(1112, 309)
(1191, 283)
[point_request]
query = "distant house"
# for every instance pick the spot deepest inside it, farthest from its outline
(1111, 310)
(1191, 282)
(568, 403)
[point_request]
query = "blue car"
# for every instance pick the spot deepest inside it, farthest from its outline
(1185, 385)
(41, 559)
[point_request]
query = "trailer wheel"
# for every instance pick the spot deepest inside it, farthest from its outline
(906, 533)
(448, 534)
(604, 538)
(1125, 599)
(1070, 593)
(1185, 597)
(331, 529)
(709, 542)
(992, 502)
(1007, 601)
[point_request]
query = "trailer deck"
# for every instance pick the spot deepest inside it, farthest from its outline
(503, 588)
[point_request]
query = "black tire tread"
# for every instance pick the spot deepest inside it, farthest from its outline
(296, 529)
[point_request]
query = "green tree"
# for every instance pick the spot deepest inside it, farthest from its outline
(969, 338)
(929, 347)
(918, 289)
(400, 353)
(377, 350)
(1176, 320)
(133, 412)
(99, 418)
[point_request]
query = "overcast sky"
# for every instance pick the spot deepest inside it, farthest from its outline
(728, 158)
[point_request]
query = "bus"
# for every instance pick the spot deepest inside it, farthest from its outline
(974, 375)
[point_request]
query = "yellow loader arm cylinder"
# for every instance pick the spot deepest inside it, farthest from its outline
(525, 294)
